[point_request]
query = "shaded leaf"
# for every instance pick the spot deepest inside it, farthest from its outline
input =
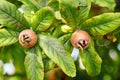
(74, 11)
(15, 2)
(102, 24)
(11, 17)
(58, 31)
(43, 19)
(48, 64)
(91, 60)
(65, 39)
(7, 37)
(18, 56)
(105, 3)
(5, 54)
(56, 52)
(54, 4)
(34, 65)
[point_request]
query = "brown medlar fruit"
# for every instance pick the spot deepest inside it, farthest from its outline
(27, 38)
(55, 74)
(80, 39)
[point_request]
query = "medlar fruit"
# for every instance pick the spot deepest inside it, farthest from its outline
(80, 39)
(55, 74)
(27, 38)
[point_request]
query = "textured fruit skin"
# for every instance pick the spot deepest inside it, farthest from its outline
(27, 38)
(80, 39)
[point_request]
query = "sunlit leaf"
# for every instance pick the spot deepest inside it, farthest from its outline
(74, 11)
(56, 52)
(8, 37)
(34, 65)
(102, 24)
(35, 5)
(91, 60)
(11, 17)
(42, 19)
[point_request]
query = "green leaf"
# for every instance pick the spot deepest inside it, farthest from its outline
(1, 70)
(26, 10)
(34, 65)
(48, 64)
(7, 37)
(102, 24)
(43, 19)
(15, 2)
(105, 3)
(18, 56)
(28, 13)
(58, 31)
(56, 52)
(54, 4)
(35, 5)
(91, 60)
(74, 11)
(65, 39)
(5, 54)
(11, 17)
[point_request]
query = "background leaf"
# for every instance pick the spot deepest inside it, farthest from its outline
(91, 60)
(34, 65)
(18, 56)
(56, 52)
(74, 13)
(11, 17)
(102, 24)
(42, 19)
(105, 3)
(7, 37)
(5, 54)
(15, 54)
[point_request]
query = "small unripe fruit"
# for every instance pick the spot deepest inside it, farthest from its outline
(80, 39)
(66, 28)
(27, 38)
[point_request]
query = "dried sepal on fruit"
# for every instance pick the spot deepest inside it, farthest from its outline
(27, 38)
(80, 39)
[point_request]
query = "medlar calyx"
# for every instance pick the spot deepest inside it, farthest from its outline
(27, 38)
(80, 39)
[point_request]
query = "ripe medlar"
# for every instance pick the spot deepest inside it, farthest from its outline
(55, 74)
(80, 39)
(27, 38)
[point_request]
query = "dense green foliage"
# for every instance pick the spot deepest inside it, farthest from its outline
(54, 21)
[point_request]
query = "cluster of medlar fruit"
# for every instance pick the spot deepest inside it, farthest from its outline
(80, 39)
